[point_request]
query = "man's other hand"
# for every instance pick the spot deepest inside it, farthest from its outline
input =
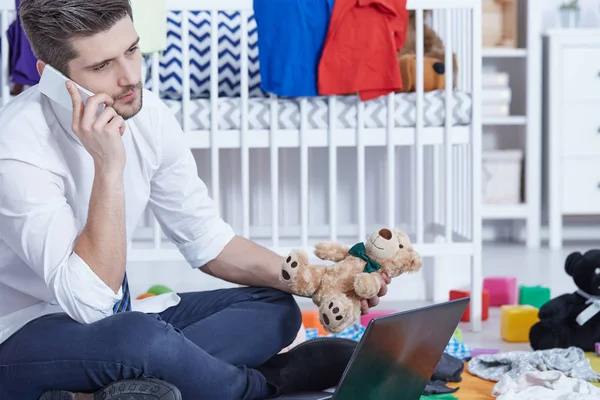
(367, 304)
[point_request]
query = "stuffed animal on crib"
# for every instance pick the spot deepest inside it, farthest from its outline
(572, 319)
(356, 274)
(433, 78)
(433, 61)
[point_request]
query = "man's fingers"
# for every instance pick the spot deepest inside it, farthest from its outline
(106, 116)
(77, 103)
(373, 302)
(91, 107)
(117, 123)
(364, 307)
(386, 278)
(383, 291)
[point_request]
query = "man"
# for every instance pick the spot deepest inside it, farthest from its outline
(73, 189)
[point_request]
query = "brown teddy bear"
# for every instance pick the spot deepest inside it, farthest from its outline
(433, 79)
(338, 289)
(433, 61)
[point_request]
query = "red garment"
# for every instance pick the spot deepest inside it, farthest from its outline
(360, 51)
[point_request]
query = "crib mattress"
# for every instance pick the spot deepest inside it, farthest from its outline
(375, 111)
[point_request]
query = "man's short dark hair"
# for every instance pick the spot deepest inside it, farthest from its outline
(50, 25)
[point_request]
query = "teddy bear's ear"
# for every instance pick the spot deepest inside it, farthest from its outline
(571, 261)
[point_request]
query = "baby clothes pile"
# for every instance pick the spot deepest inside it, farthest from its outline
(555, 374)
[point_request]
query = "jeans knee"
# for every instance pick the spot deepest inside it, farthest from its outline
(141, 340)
(290, 317)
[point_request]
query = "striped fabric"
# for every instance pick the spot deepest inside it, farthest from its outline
(125, 303)
(229, 58)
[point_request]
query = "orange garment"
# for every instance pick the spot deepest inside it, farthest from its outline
(361, 46)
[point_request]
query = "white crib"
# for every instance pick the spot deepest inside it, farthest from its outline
(406, 160)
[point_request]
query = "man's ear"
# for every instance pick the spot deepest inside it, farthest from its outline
(40, 66)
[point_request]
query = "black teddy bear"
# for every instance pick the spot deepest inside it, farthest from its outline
(572, 319)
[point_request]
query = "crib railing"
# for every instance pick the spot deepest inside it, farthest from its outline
(450, 157)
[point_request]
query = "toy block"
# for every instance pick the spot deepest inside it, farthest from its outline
(365, 319)
(516, 322)
(503, 290)
(597, 348)
(476, 352)
(535, 296)
(485, 303)
(310, 320)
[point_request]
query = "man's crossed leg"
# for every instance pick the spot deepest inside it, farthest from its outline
(212, 345)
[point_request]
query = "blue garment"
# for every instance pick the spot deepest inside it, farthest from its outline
(291, 36)
(208, 344)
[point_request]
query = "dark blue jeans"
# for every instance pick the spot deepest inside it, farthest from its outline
(208, 346)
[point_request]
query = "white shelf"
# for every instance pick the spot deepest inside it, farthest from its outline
(508, 120)
(504, 211)
(501, 52)
(524, 65)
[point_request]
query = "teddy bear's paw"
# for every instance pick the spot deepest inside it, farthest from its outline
(367, 285)
(336, 314)
(291, 265)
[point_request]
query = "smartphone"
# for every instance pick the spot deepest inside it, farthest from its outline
(53, 85)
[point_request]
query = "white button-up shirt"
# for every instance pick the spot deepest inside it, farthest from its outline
(46, 178)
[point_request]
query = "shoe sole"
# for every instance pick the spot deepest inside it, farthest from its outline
(128, 389)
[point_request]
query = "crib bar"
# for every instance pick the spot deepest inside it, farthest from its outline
(214, 106)
(419, 201)
(244, 131)
(274, 156)
(332, 170)
(360, 164)
(185, 41)
(448, 161)
(4, 79)
(303, 173)
(475, 167)
(391, 163)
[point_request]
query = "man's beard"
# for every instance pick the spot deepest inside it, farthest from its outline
(126, 111)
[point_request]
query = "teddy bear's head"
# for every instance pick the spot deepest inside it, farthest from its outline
(585, 270)
(393, 250)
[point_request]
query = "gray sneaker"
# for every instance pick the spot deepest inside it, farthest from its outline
(129, 389)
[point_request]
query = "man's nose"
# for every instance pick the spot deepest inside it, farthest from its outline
(129, 76)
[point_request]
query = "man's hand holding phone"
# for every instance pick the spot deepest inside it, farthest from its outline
(100, 135)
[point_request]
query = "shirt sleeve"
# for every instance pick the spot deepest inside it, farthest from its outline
(179, 199)
(398, 15)
(38, 224)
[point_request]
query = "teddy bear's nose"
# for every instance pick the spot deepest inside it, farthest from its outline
(386, 234)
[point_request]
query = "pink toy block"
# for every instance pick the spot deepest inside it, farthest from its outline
(503, 290)
(365, 319)
(475, 352)
(597, 346)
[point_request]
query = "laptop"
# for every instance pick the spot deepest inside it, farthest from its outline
(396, 355)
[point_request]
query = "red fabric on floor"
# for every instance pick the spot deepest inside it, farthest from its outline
(360, 51)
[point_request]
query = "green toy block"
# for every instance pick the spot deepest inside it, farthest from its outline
(159, 289)
(535, 296)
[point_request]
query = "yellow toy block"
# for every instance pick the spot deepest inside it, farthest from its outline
(516, 321)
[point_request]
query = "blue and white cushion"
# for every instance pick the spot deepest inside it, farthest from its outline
(229, 56)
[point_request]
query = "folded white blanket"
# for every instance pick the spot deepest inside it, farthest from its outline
(544, 385)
